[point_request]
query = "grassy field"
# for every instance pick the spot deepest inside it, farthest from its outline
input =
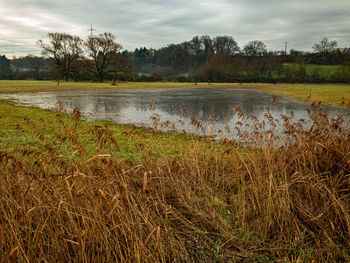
(35, 86)
(73, 191)
(338, 94)
(325, 70)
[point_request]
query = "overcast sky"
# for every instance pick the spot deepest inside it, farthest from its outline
(157, 23)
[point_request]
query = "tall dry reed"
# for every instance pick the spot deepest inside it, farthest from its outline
(258, 202)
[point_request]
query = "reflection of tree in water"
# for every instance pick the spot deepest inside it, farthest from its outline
(126, 106)
(90, 103)
(200, 102)
(203, 103)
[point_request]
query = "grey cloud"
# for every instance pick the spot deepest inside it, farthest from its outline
(156, 23)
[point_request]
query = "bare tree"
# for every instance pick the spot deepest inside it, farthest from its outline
(254, 48)
(208, 48)
(64, 49)
(103, 51)
(325, 46)
(195, 46)
(120, 68)
(225, 45)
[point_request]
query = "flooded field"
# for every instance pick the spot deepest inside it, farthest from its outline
(174, 109)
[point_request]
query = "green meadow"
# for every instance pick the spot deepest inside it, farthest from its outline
(325, 70)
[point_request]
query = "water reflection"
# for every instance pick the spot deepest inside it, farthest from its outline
(133, 105)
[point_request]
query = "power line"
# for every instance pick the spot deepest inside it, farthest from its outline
(22, 51)
(13, 52)
(10, 48)
(7, 39)
(17, 46)
(16, 40)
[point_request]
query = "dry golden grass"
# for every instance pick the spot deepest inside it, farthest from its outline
(259, 203)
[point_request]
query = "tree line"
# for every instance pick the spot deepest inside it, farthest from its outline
(203, 58)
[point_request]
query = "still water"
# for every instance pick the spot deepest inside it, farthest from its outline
(210, 105)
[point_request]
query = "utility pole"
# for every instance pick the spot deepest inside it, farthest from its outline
(285, 47)
(91, 30)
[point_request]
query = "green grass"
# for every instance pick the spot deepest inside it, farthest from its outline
(324, 70)
(326, 93)
(10, 86)
(18, 131)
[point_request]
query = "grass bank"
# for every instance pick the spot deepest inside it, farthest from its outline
(74, 191)
(337, 94)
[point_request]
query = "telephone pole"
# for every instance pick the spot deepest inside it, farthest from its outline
(91, 30)
(285, 47)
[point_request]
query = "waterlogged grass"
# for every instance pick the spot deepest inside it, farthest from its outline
(22, 126)
(337, 94)
(10, 86)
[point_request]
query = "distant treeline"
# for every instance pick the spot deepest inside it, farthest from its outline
(203, 58)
